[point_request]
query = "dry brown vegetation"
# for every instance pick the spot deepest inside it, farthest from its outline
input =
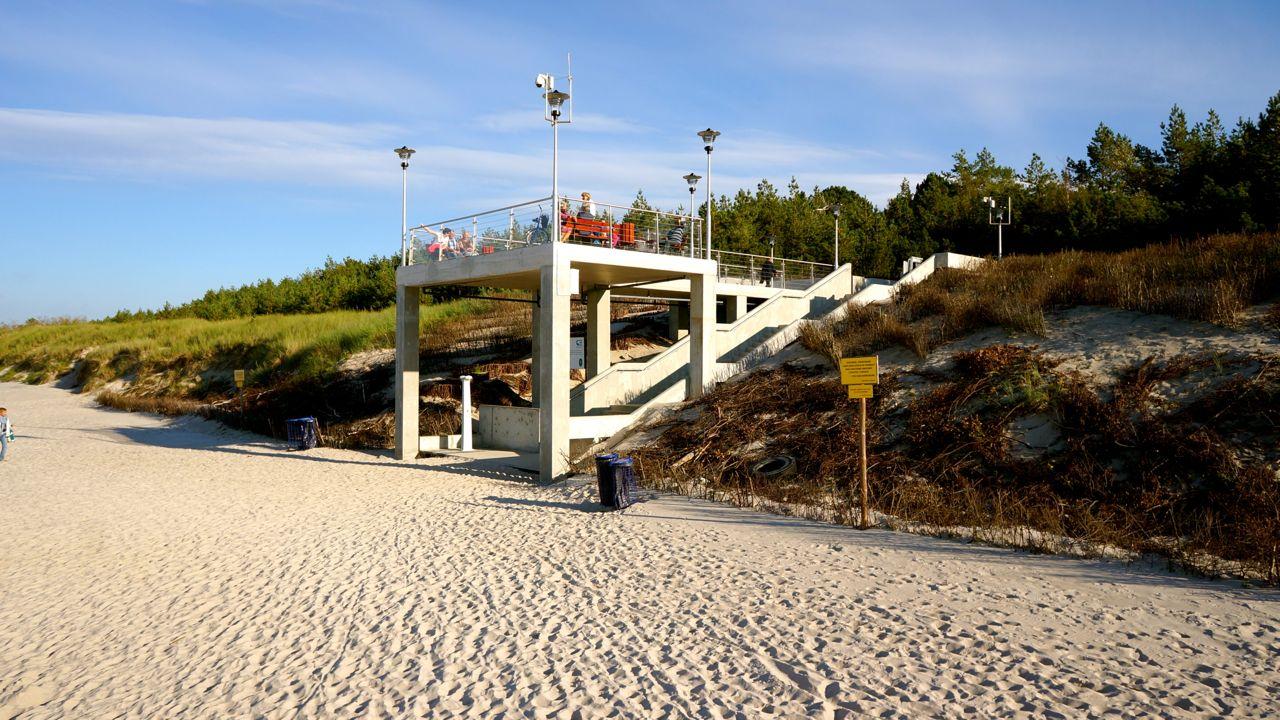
(1124, 471)
(1129, 466)
(1212, 279)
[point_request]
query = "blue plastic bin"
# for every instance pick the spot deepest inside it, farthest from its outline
(303, 433)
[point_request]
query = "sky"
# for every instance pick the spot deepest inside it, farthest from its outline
(152, 150)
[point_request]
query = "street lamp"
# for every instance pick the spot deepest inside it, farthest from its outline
(555, 100)
(708, 138)
(999, 218)
(692, 179)
(405, 152)
(835, 210)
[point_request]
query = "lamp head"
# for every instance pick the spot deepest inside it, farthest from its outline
(692, 179)
(556, 100)
(708, 137)
(404, 152)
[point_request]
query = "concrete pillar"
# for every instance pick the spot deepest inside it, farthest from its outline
(735, 306)
(533, 357)
(677, 320)
(702, 333)
(553, 372)
(406, 386)
(598, 322)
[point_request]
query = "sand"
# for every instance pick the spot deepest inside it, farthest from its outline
(154, 568)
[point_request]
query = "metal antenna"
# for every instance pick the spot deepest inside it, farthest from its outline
(569, 77)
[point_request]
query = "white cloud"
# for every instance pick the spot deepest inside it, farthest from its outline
(452, 179)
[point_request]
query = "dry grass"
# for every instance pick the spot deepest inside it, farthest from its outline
(1127, 473)
(1211, 279)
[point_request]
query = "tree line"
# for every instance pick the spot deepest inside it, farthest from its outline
(1203, 179)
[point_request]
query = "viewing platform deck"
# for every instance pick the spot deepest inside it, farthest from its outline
(620, 252)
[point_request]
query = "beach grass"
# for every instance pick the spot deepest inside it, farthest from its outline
(268, 347)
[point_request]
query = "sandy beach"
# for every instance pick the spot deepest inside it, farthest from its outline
(158, 568)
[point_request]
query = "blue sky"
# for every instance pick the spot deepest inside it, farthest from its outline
(149, 151)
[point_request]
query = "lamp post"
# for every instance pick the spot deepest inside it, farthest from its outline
(692, 179)
(555, 101)
(999, 218)
(405, 152)
(835, 211)
(708, 138)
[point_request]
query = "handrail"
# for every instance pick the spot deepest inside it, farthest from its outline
(626, 209)
(468, 216)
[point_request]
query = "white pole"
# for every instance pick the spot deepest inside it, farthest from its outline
(555, 174)
(1000, 241)
(404, 213)
(708, 202)
(466, 413)
(836, 264)
(692, 190)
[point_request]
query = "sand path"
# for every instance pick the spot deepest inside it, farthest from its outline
(152, 568)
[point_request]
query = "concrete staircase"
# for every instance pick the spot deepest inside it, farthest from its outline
(624, 393)
(619, 396)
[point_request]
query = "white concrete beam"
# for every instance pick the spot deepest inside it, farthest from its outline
(406, 381)
(735, 306)
(598, 322)
(553, 370)
(702, 333)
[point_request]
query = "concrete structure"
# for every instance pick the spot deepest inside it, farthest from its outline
(555, 272)
(755, 321)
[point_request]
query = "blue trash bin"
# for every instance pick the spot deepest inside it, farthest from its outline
(303, 433)
(604, 478)
(624, 482)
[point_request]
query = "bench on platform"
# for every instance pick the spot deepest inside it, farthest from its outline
(599, 232)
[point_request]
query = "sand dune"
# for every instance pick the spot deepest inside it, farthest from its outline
(152, 568)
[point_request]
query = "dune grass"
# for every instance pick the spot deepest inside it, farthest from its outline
(1211, 279)
(203, 352)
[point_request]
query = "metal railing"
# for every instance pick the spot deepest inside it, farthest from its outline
(505, 228)
(763, 270)
(600, 224)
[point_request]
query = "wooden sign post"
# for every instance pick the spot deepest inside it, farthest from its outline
(859, 374)
(240, 386)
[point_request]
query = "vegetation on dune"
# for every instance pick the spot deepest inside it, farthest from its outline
(1211, 279)
(186, 354)
(1191, 477)
(1123, 471)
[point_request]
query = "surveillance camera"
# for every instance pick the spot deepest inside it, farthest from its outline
(542, 80)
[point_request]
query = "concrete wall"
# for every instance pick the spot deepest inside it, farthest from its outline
(503, 427)
(508, 428)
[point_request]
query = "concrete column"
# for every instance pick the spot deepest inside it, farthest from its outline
(677, 320)
(735, 306)
(553, 372)
(598, 322)
(533, 358)
(406, 372)
(702, 333)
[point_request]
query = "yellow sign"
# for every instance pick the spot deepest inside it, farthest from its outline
(857, 392)
(239, 378)
(860, 370)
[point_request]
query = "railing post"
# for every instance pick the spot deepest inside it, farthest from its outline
(511, 228)
(751, 270)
